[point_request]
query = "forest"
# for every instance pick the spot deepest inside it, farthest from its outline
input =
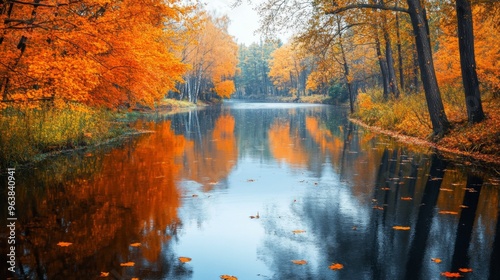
(426, 70)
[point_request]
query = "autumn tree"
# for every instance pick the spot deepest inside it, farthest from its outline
(113, 53)
(289, 69)
(213, 57)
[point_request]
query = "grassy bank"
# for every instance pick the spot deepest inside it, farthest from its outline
(30, 133)
(408, 116)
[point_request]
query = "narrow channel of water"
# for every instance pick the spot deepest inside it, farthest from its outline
(245, 189)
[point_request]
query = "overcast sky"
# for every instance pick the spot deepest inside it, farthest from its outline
(244, 19)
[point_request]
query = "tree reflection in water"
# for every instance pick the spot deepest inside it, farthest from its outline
(342, 185)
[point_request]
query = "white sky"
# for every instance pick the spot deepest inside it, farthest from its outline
(244, 19)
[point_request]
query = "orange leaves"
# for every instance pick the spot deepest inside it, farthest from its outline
(127, 264)
(436, 260)
(465, 270)
(64, 244)
(336, 266)
(451, 274)
(184, 259)
(401, 228)
(124, 55)
(228, 277)
(298, 231)
(299, 262)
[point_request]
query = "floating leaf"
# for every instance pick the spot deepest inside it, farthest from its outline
(451, 274)
(436, 260)
(250, 180)
(448, 212)
(298, 231)
(406, 198)
(228, 277)
(385, 189)
(378, 207)
(184, 259)
(336, 266)
(256, 216)
(299, 262)
(401, 228)
(135, 278)
(463, 206)
(64, 244)
(465, 270)
(445, 190)
(135, 244)
(104, 274)
(127, 264)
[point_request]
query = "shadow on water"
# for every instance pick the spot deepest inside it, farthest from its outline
(317, 188)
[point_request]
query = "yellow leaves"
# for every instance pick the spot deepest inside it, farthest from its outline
(336, 266)
(104, 274)
(184, 259)
(298, 231)
(64, 244)
(127, 264)
(401, 228)
(299, 262)
(228, 277)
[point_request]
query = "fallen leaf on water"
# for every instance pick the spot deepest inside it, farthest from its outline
(64, 244)
(401, 228)
(127, 264)
(378, 207)
(448, 212)
(137, 244)
(184, 259)
(336, 266)
(445, 190)
(298, 231)
(135, 278)
(250, 180)
(194, 195)
(299, 262)
(228, 277)
(406, 198)
(256, 216)
(385, 189)
(436, 260)
(465, 270)
(451, 274)
(435, 179)
(104, 274)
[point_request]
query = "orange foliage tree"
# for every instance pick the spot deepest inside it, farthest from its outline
(213, 56)
(91, 51)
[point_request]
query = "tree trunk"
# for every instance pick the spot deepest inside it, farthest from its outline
(400, 56)
(390, 64)
(383, 68)
(475, 112)
(440, 124)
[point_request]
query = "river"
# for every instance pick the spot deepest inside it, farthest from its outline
(245, 189)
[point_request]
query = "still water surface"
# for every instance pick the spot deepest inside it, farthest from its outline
(244, 189)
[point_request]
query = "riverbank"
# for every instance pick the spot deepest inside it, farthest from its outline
(33, 134)
(407, 120)
(314, 98)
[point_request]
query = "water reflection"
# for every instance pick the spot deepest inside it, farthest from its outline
(190, 187)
